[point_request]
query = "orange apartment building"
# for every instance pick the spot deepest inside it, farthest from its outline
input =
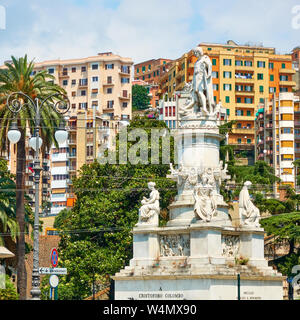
(243, 77)
(148, 73)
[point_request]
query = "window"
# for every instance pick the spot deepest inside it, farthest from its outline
(227, 99)
(228, 112)
(83, 82)
(111, 66)
(271, 65)
(248, 63)
(94, 91)
(249, 100)
(238, 100)
(149, 67)
(73, 105)
(83, 69)
(238, 62)
(239, 140)
(227, 74)
(65, 82)
(137, 70)
(124, 104)
(125, 69)
(125, 80)
(51, 70)
(283, 89)
(261, 100)
(260, 76)
(95, 79)
(215, 74)
(95, 103)
(271, 77)
(283, 65)
(248, 141)
(261, 89)
(143, 68)
(83, 93)
(214, 62)
(95, 66)
(109, 90)
(73, 69)
(227, 62)
(215, 86)
(248, 113)
(226, 87)
(283, 78)
(261, 64)
(73, 93)
(272, 89)
(73, 82)
(109, 79)
(110, 104)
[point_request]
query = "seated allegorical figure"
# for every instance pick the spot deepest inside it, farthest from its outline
(149, 211)
(248, 212)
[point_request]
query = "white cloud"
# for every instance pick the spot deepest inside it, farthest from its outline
(140, 29)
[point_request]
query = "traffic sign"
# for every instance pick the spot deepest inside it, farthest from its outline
(44, 270)
(53, 280)
(54, 257)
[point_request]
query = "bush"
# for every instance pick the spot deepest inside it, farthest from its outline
(10, 292)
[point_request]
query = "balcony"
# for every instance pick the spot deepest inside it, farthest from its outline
(244, 93)
(287, 83)
(57, 157)
(245, 105)
(108, 109)
(243, 130)
(72, 156)
(244, 68)
(64, 74)
(108, 84)
(244, 80)
(244, 118)
(125, 97)
(71, 141)
(72, 128)
(287, 71)
(123, 72)
(29, 183)
(59, 184)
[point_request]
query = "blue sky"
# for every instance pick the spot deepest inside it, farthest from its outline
(141, 29)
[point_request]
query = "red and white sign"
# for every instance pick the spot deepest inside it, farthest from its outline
(54, 257)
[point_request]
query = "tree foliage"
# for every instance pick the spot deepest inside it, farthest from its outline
(10, 292)
(96, 234)
(140, 97)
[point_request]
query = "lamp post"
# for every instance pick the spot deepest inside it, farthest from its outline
(15, 102)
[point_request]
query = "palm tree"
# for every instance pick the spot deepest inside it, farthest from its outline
(18, 76)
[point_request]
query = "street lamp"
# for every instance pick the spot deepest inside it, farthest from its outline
(15, 102)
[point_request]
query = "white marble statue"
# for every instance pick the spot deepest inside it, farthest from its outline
(248, 212)
(201, 89)
(149, 211)
(205, 205)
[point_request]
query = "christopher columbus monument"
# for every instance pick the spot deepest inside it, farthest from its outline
(199, 253)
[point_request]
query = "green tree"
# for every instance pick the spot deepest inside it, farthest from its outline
(96, 234)
(285, 227)
(140, 97)
(18, 76)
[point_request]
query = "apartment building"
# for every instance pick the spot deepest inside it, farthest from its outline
(296, 63)
(99, 90)
(277, 136)
(243, 77)
(148, 73)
